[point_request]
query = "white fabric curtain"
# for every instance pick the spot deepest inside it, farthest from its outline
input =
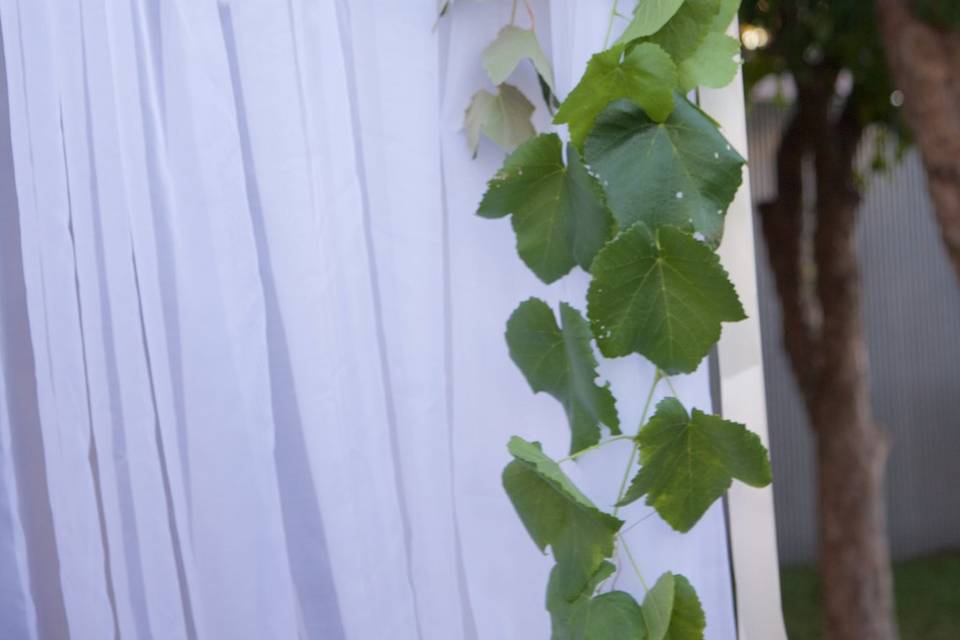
(253, 382)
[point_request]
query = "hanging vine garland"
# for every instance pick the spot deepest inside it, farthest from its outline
(637, 200)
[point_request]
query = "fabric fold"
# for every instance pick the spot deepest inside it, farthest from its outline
(254, 382)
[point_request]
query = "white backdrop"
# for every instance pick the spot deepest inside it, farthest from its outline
(253, 369)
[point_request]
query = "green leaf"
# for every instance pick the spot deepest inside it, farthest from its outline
(728, 10)
(610, 616)
(672, 610)
(646, 75)
(564, 617)
(504, 118)
(680, 172)
(712, 65)
(663, 295)
(649, 17)
(513, 45)
(687, 622)
(558, 515)
(689, 462)
(560, 362)
(559, 212)
(658, 607)
(687, 28)
(694, 38)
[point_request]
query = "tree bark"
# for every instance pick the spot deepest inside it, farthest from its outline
(854, 559)
(925, 63)
(824, 339)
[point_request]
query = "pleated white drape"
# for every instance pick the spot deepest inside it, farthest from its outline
(254, 383)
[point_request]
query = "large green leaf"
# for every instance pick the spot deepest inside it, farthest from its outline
(513, 45)
(563, 610)
(504, 118)
(645, 75)
(558, 515)
(680, 172)
(690, 461)
(687, 622)
(559, 212)
(715, 61)
(658, 607)
(713, 64)
(687, 28)
(663, 295)
(703, 55)
(672, 611)
(728, 10)
(610, 616)
(559, 360)
(649, 17)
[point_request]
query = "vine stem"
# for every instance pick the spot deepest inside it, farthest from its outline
(633, 562)
(513, 13)
(640, 521)
(574, 456)
(533, 18)
(613, 14)
(626, 477)
(669, 384)
(657, 377)
(633, 453)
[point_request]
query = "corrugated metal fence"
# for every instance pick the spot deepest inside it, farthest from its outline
(912, 315)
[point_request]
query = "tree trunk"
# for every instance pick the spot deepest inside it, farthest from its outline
(853, 558)
(824, 339)
(925, 62)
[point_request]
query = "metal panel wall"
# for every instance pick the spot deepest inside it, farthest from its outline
(912, 315)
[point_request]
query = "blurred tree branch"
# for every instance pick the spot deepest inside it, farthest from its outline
(924, 57)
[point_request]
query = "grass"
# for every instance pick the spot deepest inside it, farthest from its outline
(927, 591)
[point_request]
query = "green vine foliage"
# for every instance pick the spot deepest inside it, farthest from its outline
(637, 200)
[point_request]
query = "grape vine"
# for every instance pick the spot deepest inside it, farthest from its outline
(636, 198)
